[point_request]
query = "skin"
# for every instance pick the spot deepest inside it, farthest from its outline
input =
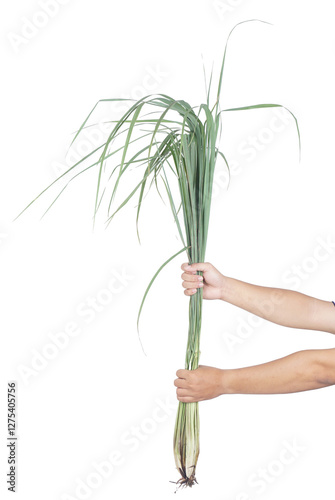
(300, 371)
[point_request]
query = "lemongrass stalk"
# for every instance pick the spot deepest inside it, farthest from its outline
(187, 146)
(187, 427)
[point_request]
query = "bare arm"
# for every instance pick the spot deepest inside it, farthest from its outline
(281, 306)
(300, 371)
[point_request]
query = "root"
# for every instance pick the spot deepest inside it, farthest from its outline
(185, 480)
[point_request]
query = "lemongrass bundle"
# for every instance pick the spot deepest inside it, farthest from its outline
(180, 142)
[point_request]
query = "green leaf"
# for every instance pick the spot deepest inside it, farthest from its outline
(224, 55)
(258, 106)
(153, 279)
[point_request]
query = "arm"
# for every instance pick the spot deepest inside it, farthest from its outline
(300, 371)
(281, 306)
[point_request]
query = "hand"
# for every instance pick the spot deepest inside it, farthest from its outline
(205, 382)
(212, 280)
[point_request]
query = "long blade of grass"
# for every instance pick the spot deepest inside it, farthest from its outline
(259, 106)
(58, 178)
(153, 279)
(225, 52)
(90, 113)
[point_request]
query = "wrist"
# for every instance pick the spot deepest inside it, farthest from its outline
(227, 384)
(225, 288)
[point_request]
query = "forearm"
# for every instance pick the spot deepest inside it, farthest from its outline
(281, 306)
(301, 371)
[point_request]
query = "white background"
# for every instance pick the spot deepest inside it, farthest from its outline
(78, 408)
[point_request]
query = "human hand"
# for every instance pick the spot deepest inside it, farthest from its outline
(212, 280)
(205, 382)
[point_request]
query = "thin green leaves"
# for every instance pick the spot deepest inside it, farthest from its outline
(224, 56)
(258, 106)
(153, 279)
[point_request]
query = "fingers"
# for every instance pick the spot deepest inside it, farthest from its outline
(182, 373)
(183, 393)
(186, 267)
(187, 399)
(184, 388)
(191, 277)
(191, 283)
(180, 382)
(193, 268)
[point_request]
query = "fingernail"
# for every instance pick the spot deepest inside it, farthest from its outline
(200, 285)
(187, 268)
(194, 290)
(200, 278)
